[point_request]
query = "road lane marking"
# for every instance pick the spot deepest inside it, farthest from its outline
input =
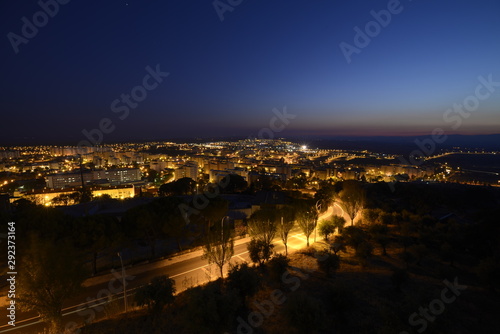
(300, 238)
(297, 235)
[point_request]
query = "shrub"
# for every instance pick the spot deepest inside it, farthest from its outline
(277, 266)
(156, 294)
(328, 263)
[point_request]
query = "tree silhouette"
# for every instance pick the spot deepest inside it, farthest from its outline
(328, 263)
(219, 246)
(182, 186)
(326, 227)
(51, 273)
(263, 225)
(339, 223)
(95, 234)
(171, 219)
(259, 251)
(353, 197)
(156, 295)
(307, 220)
(285, 225)
(244, 279)
(379, 233)
(234, 183)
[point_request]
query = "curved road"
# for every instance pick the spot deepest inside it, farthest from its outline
(187, 270)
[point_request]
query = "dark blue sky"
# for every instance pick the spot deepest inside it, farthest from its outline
(227, 76)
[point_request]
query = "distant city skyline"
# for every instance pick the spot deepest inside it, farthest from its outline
(177, 69)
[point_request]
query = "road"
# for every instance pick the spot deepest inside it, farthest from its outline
(187, 270)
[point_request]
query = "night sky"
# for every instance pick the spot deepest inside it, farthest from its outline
(226, 77)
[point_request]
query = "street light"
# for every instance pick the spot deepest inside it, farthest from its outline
(123, 280)
(222, 226)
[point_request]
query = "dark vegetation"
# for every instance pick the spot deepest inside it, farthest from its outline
(369, 278)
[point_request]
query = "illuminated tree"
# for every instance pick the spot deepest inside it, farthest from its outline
(353, 197)
(219, 246)
(259, 251)
(338, 222)
(326, 228)
(263, 225)
(307, 220)
(285, 225)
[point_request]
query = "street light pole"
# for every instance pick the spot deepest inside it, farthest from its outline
(123, 280)
(318, 209)
(222, 227)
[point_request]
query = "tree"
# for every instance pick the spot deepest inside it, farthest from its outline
(209, 309)
(358, 239)
(387, 218)
(371, 216)
(81, 196)
(172, 221)
(354, 236)
(263, 225)
(259, 251)
(152, 175)
(154, 220)
(84, 195)
(63, 199)
(379, 233)
(297, 182)
(307, 220)
(95, 234)
(285, 225)
(182, 186)
(352, 196)
(51, 273)
(326, 194)
(338, 245)
(219, 246)
(266, 183)
(277, 266)
(234, 183)
(338, 222)
(156, 295)
(103, 197)
(326, 228)
(363, 252)
(148, 224)
(214, 210)
(244, 279)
